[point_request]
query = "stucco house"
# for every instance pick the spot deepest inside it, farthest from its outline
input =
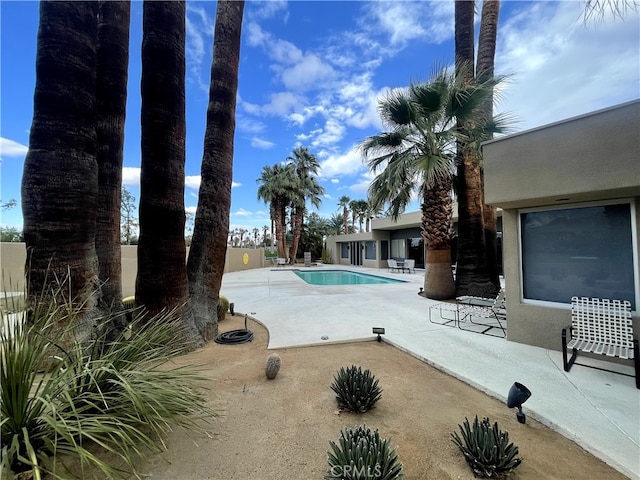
(569, 194)
(390, 239)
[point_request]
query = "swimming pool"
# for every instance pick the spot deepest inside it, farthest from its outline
(341, 277)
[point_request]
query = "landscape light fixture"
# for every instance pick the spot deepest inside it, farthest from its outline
(518, 394)
(379, 331)
(231, 307)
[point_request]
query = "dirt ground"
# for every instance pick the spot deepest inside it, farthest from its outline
(280, 429)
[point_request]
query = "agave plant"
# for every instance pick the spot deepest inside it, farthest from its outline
(362, 454)
(486, 448)
(94, 398)
(356, 390)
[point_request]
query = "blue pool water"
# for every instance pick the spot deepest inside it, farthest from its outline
(341, 277)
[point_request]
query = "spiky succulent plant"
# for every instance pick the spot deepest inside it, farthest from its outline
(223, 307)
(362, 454)
(486, 448)
(356, 390)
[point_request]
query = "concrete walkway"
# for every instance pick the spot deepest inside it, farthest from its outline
(598, 410)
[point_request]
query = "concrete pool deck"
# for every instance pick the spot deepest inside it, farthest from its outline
(598, 410)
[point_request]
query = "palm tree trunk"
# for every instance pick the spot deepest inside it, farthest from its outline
(280, 230)
(472, 277)
(111, 99)
(298, 216)
(437, 212)
(162, 274)
(345, 219)
(485, 69)
(209, 245)
(60, 179)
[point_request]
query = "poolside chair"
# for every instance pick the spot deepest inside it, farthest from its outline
(392, 264)
(410, 265)
(487, 313)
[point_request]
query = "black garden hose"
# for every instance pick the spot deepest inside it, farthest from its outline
(236, 337)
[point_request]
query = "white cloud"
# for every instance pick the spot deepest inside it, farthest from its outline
(199, 41)
(10, 148)
(308, 73)
(562, 68)
(193, 181)
(342, 164)
(280, 51)
(250, 125)
(131, 176)
(241, 212)
(235, 184)
(267, 9)
(335, 180)
(402, 23)
(282, 104)
(331, 134)
(262, 144)
(191, 209)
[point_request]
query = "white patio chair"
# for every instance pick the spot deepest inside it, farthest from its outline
(410, 265)
(391, 263)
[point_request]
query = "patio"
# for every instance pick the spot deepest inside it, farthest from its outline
(596, 409)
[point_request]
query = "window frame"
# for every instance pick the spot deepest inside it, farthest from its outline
(370, 245)
(567, 206)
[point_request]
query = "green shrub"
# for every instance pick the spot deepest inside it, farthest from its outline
(356, 390)
(326, 256)
(99, 399)
(223, 307)
(486, 449)
(362, 454)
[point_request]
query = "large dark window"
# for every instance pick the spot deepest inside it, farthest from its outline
(370, 250)
(584, 251)
(344, 250)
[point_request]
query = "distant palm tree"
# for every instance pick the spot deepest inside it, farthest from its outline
(416, 154)
(209, 245)
(306, 166)
(353, 206)
(276, 185)
(335, 225)
(360, 209)
(371, 214)
(344, 203)
(162, 275)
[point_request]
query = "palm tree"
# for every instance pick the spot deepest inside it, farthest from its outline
(306, 167)
(484, 70)
(162, 275)
(416, 154)
(276, 184)
(111, 99)
(60, 178)
(335, 225)
(209, 245)
(360, 209)
(344, 203)
(371, 214)
(473, 274)
(353, 206)
(595, 10)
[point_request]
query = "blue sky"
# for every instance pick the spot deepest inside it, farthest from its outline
(311, 73)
